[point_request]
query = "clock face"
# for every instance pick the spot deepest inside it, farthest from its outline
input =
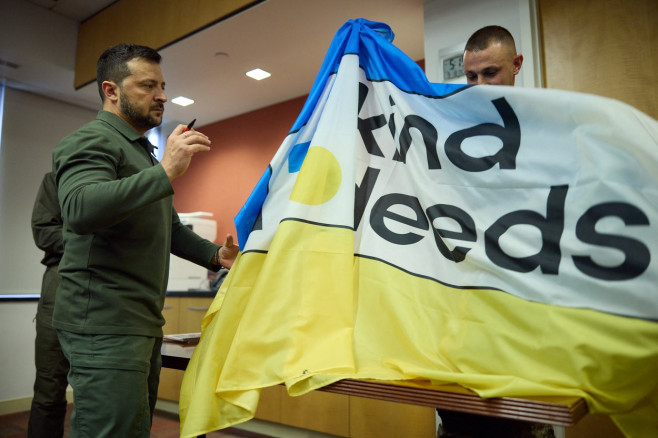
(453, 67)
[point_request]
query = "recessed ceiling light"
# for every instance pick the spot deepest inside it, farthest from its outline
(258, 74)
(182, 101)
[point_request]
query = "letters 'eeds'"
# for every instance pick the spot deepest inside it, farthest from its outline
(550, 225)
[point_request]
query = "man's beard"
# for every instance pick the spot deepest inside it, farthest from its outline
(136, 119)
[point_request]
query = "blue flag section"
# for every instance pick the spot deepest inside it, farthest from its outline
(380, 60)
(499, 238)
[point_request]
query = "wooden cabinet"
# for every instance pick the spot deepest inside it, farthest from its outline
(191, 313)
(594, 426)
(344, 415)
(379, 418)
(183, 315)
(170, 380)
(319, 411)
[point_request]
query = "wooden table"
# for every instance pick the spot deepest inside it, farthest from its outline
(556, 411)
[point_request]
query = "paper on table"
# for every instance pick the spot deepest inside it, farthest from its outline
(183, 338)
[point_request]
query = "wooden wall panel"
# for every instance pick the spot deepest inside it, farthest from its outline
(604, 47)
(609, 48)
(594, 426)
(153, 23)
(269, 405)
(320, 411)
(379, 418)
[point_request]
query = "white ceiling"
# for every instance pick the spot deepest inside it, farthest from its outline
(288, 38)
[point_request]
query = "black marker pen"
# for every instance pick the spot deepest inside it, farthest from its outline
(189, 126)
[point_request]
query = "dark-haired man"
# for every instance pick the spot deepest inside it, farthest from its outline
(490, 57)
(119, 229)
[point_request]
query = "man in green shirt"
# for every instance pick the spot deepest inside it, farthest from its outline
(119, 230)
(48, 408)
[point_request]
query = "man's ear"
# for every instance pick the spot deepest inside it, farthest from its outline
(518, 60)
(110, 90)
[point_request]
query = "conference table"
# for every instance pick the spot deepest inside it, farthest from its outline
(556, 411)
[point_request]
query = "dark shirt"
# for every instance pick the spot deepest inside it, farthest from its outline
(119, 229)
(47, 222)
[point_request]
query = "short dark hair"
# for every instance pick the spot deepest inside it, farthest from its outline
(113, 63)
(483, 38)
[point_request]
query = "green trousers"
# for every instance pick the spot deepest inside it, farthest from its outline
(115, 383)
(48, 409)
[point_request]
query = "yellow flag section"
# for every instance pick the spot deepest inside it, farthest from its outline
(285, 316)
(310, 313)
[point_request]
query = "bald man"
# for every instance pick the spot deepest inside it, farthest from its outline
(490, 57)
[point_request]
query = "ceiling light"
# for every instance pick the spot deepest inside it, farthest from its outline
(182, 101)
(258, 74)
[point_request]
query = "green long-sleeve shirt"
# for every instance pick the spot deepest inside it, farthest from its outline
(119, 229)
(47, 222)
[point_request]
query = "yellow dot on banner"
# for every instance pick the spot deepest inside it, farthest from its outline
(318, 179)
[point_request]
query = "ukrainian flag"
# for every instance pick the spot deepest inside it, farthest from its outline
(502, 239)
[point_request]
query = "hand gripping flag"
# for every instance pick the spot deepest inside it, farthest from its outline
(499, 238)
